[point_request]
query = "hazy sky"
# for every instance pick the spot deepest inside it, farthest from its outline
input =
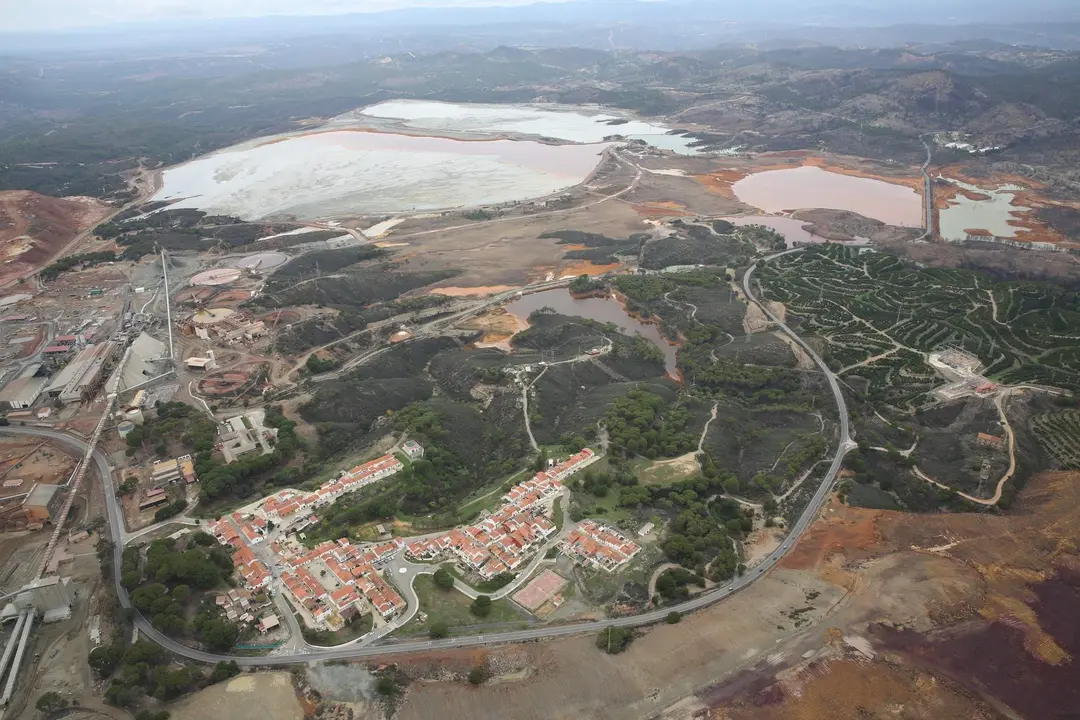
(23, 15)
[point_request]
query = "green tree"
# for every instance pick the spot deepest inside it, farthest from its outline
(386, 686)
(150, 715)
(50, 702)
(223, 671)
(481, 606)
(673, 617)
(439, 630)
(614, 640)
(106, 658)
(444, 579)
(477, 675)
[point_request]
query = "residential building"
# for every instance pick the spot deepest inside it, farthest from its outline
(994, 442)
(599, 546)
(502, 541)
(413, 450)
(268, 623)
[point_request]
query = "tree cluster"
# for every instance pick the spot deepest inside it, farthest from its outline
(583, 284)
(174, 420)
(614, 640)
(642, 423)
(168, 584)
(317, 365)
(672, 584)
(145, 669)
(51, 272)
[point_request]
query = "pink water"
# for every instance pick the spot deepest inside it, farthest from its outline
(809, 187)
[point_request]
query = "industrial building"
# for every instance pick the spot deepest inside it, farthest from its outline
(152, 497)
(245, 434)
(52, 598)
(24, 390)
(48, 598)
(25, 504)
(82, 374)
(170, 471)
(149, 358)
(201, 364)
(43, 503)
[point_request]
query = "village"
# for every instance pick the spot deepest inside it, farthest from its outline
(334, 582)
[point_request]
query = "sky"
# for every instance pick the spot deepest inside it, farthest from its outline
(43, 15)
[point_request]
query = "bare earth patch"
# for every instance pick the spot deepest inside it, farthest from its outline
(756, 320)
(258, 696)
(665, 471)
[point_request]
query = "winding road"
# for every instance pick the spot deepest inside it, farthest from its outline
(357, 650)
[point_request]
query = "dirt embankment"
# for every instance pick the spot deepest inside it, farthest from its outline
(948, 616)
(34, 228)
(498, 326)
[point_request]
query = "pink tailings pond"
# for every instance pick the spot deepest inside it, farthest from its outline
(808, 187)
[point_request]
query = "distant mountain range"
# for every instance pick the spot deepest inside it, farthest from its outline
(660, 24)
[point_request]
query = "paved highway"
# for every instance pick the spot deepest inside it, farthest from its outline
(355, 650)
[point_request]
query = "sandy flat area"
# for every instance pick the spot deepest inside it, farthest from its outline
(259, 696)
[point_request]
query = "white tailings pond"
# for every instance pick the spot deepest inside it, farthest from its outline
(562, 123)
(352, 172)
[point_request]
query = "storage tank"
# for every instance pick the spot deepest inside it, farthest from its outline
(135, 415)
(124, 427)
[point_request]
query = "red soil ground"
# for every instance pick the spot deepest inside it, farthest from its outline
(223, 383)
(230, 298)
(34, 229)
(281, 317)
(197, 294)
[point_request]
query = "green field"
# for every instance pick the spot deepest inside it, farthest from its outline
(452, 607)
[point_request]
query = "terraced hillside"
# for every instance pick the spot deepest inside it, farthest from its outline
(1059, 434)
(879, 316)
